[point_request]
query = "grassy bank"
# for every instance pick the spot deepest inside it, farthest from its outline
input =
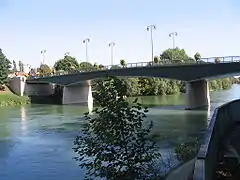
(7, 98)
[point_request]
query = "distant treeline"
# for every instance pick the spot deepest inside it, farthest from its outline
(157, 86)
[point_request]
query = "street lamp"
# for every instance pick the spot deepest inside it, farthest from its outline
(173, 34)
(111, 45)
(43, 55)
(151, 28)
(86, 41)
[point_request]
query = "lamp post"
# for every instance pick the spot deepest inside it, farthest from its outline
(173, 34)
(86, 41)
(111, 45)
(151, 28)
(43, 55)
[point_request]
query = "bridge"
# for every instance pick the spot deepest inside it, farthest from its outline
(77, 86)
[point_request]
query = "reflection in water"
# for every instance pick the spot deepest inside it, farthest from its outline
(90, 107)
(23, 119)
(209, 114)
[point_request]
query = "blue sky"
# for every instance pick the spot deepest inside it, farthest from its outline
(210, 27)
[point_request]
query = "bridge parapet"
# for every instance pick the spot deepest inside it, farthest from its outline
(222, 121)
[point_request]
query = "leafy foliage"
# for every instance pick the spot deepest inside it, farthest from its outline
(14, 66)
(45, 70)
(5, 66)
(86, 66)
(156, 59)
(68, 63)
(217, 60)
(101, 66)
(113, 142)
(20, 64)
(187, 151)
(143, 86)
(123, 62)
(221, 84)
(175, 55)
(197, 57)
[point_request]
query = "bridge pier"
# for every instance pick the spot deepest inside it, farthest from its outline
(80, 93)
(197, 94)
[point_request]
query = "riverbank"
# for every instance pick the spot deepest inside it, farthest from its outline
(7, 98)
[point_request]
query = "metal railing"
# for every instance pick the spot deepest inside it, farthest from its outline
(162, 62)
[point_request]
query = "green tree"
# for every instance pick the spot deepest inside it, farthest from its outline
(14, 66)
(5, 66)
(123, 62)
(197, 56)
(101, 66)
(45, 70)
(96, 66)
(175, 55)
(217, 60)
(132, 86)
(113, 142)
(188, 150)
(156, 59)
(86, 66)
(20, 64)
(68, 63)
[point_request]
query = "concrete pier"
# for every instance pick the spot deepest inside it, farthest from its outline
(197, 94)
(80, 93)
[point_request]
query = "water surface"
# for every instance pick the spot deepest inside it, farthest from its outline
(36, 141)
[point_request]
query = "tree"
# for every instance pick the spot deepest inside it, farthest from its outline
(86, 66)
(32, 72)
(68, 63)
(156, 59)
(113, 141)
(197, 56)
(175, 55)
(21, 68)
(123, 62)
(5, 66)
(101, 66)
(14, 66)
(45, 70)
(217, 60)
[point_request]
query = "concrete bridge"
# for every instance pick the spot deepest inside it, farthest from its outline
(77, 86)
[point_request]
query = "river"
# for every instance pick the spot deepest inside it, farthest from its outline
(36, 141)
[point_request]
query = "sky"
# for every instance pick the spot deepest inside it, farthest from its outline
(210, 27)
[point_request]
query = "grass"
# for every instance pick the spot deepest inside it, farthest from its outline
(7, 98)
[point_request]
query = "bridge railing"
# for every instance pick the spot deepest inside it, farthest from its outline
(162, 62)
(222, 121)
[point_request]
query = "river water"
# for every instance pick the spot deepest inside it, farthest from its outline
(36, 141)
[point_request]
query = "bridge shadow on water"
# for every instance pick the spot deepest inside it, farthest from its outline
(46, 99)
